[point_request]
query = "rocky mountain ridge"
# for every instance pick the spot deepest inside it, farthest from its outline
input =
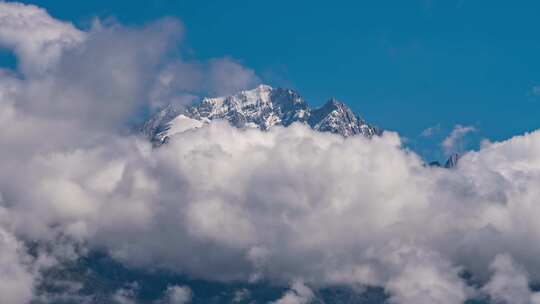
(263, 107)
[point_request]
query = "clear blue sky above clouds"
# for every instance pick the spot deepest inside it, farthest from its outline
(403, 65)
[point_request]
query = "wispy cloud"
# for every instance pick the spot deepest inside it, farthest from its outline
(454, 142)
(535, 91)
(428, 132)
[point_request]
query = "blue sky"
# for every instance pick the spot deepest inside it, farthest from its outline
(403, 65)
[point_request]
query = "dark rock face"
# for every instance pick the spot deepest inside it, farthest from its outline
(289, 106)
(452, 161)
(435, 164)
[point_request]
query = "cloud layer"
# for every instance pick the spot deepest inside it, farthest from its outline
(291, 206)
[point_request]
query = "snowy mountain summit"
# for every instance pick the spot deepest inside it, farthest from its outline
(262, 108)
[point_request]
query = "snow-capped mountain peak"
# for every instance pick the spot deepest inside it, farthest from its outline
(262, 107)
(336, 117)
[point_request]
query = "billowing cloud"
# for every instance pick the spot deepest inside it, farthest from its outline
(17, 282)
(227, 76)
(179, 83)
(298, 294)
(178, 295)
(426, 278)
(36, 38)
(509, 283)
(124, 296)
(223, 204)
